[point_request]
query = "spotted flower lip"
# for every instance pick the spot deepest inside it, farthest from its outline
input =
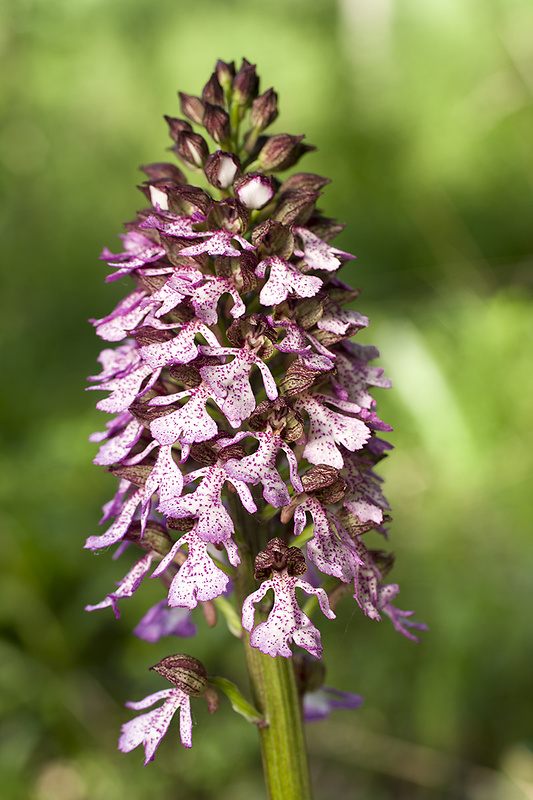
(148, 729)
(286, 621)
(241, 408)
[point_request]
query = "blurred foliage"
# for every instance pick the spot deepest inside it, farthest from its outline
(422, 114)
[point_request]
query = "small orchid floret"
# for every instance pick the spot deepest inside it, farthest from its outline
(230, 382)
(328, 429)
(205, 503)
(218, 243)
(286, 621)
(260, 467)
(317, 253)
(331, 550)
(198, 578)
(149, 729)
(188, 424)
(127, 586)
(179, 350)
(284, 278)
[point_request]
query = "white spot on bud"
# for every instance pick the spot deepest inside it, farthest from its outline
(255, 193)
(227, 169)
(158, 198)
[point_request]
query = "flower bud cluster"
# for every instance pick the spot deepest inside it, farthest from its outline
(235, 389)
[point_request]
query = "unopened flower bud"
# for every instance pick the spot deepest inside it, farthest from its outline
(176, 126)
(245, 84)
(225, 74)
(192, 107)
(185, 672)
(213, 92)
(216, 122)
(282, 151)
(192, 148)
(254, 190)
(303, 182)
(164, 171)
(221, 169)
(264, 110)
(295, 208)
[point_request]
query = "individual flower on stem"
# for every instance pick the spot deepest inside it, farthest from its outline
(286, 621)
(190, 680)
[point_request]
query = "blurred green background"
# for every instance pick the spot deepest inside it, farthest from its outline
(422, 113)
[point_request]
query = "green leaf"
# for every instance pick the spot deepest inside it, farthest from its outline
(238, 702)
(230, 615)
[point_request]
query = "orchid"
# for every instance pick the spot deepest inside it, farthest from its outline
(242, 418)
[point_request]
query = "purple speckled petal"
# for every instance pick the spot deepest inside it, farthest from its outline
(125, 389)
(231, 382)
(172, 225)
(205, 299)
(364, 497)
(327, 429)
(118, 362)
(260, 467)
(401, 622)
(214, 522)
(118, 446)
(188, 424)
(149, 729)
(162, 621)
(317, 253)
(117, 530)
(286, 621)
(179, 350)
(284, 278)
(319, 705)
(198, 579)
(294, 339)
(139, 251)
(179, 286)
(339, 320)
(165, 478)
(127, 585)
(331, 550)
(218, 244)
(354, 375)
(126, 316)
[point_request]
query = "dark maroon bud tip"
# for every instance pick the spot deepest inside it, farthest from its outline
(192, 148)
(282, 151)
(217, 122)
(245, 84)
(213, 92)
(225, 74)
(264, 110)
(176, 126)
(192, 107)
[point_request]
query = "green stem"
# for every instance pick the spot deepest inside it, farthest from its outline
(275, 694)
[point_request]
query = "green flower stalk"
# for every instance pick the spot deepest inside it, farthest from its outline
(242, 419)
